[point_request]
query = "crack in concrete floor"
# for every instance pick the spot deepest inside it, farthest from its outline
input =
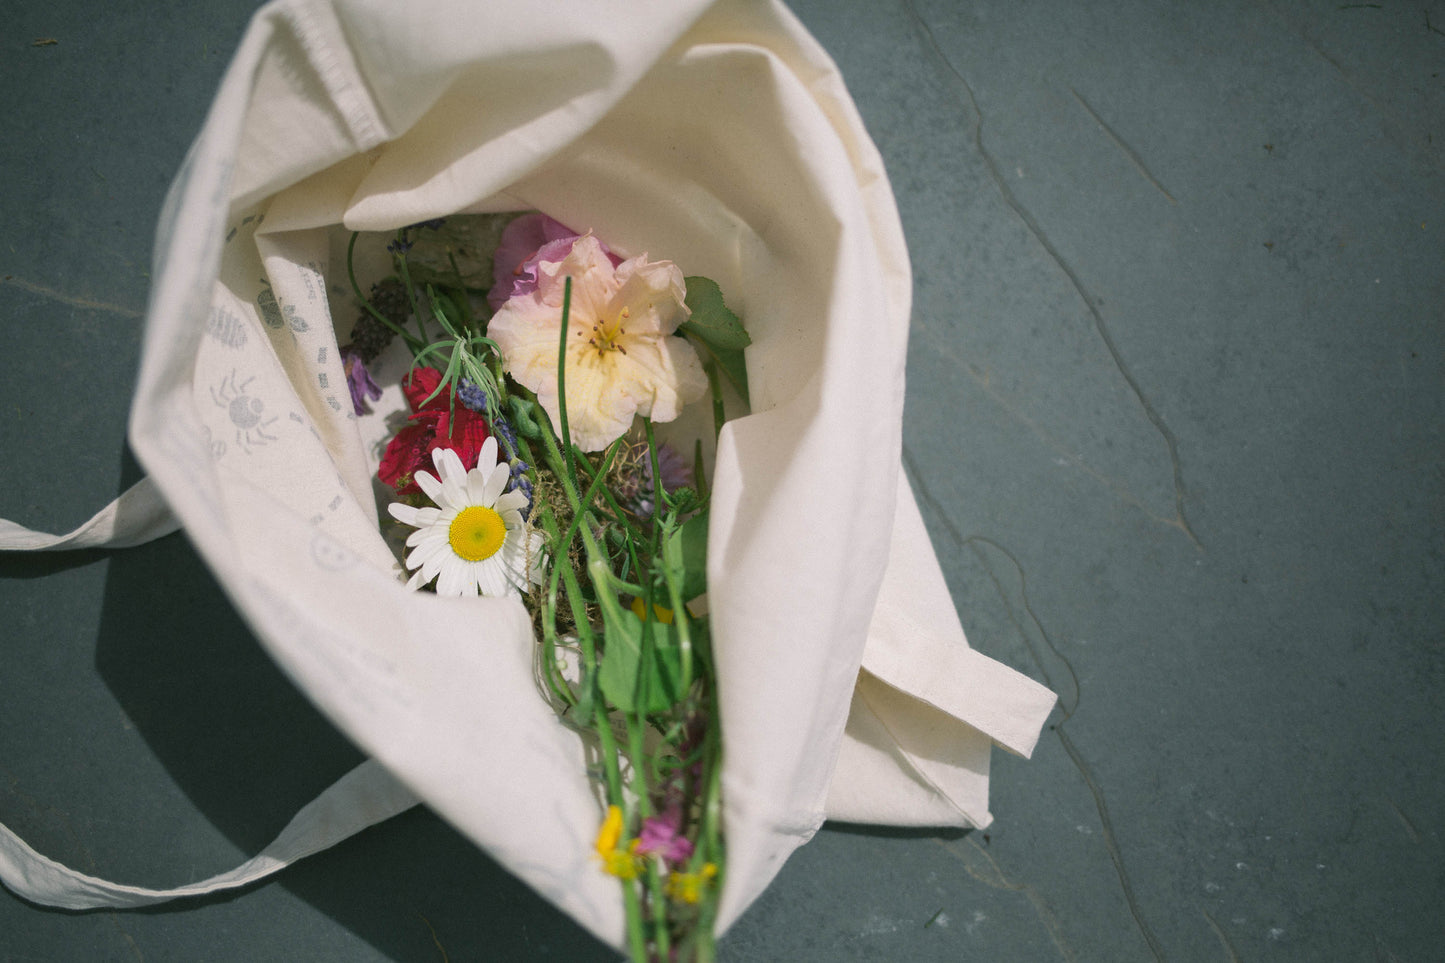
(982, 380)
(971, 542)
(930, 42)
(996, 878)
(1124, 148)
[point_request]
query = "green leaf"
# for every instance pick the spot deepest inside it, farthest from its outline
(524, 415)
(716, 331)
(631, 683)
(711, 320)
(686, 550)
(701, 632)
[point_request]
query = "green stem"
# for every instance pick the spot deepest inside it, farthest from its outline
(680, 619)
(719, 416)
(658, 492)
(657, 497)
(549, 624)
(412, 343)
(710, 833)
(562, 381)
(699, 470)
(559, 466)
(591, 494)
(410, 293)
(633, 532)
(460, 298)
(659, 913)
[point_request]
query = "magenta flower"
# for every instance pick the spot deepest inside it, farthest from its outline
(526, 242)
(661, 835)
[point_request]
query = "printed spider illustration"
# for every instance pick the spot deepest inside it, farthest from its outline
(245, 411)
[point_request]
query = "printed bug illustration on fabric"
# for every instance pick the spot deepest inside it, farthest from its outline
(270, 310)
(245, 411)
(226, 327)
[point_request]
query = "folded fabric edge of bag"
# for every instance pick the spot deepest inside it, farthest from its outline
(916, 645)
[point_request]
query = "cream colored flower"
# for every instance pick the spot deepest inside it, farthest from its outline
(622, 357)
(475, 541)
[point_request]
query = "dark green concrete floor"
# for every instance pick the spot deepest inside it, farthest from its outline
(1177, 388)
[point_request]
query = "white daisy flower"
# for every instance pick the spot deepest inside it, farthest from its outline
(475, 541)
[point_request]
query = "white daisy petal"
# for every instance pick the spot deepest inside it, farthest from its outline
(432, 566)
(428, 537)
(464, 583)
(449, 464)
(451, 581)
(486, 575)
(512, 501)
(419, 556)
(494, 582)
(495, 484)
(429, 485)
(487, 458)
(454, 479)
(477, 487)
(404, 513)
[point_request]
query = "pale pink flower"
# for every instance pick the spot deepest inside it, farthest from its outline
(526, 242)
(622, 356)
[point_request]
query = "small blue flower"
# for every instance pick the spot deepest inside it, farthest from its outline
(507, 435)
(474, 398)
(521, 483)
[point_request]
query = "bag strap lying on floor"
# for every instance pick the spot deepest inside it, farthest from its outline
(363, 797)
(136, 517)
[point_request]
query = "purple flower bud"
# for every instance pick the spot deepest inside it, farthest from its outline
(359, 380)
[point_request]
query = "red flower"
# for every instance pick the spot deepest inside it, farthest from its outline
(436, 423)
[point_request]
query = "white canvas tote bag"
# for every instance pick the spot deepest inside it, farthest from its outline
(717, 135)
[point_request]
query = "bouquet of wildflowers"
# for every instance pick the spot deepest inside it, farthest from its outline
(529, 467)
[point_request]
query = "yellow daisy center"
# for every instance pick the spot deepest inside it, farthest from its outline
(477, 533)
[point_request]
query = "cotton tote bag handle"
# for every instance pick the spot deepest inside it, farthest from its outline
(136, 517)
(363, 797)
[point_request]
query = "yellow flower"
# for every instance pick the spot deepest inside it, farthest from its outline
(622, 863)
(621, 359)
(688, 887)
(659, 613)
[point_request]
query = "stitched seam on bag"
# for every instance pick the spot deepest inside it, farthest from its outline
(337, 71)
